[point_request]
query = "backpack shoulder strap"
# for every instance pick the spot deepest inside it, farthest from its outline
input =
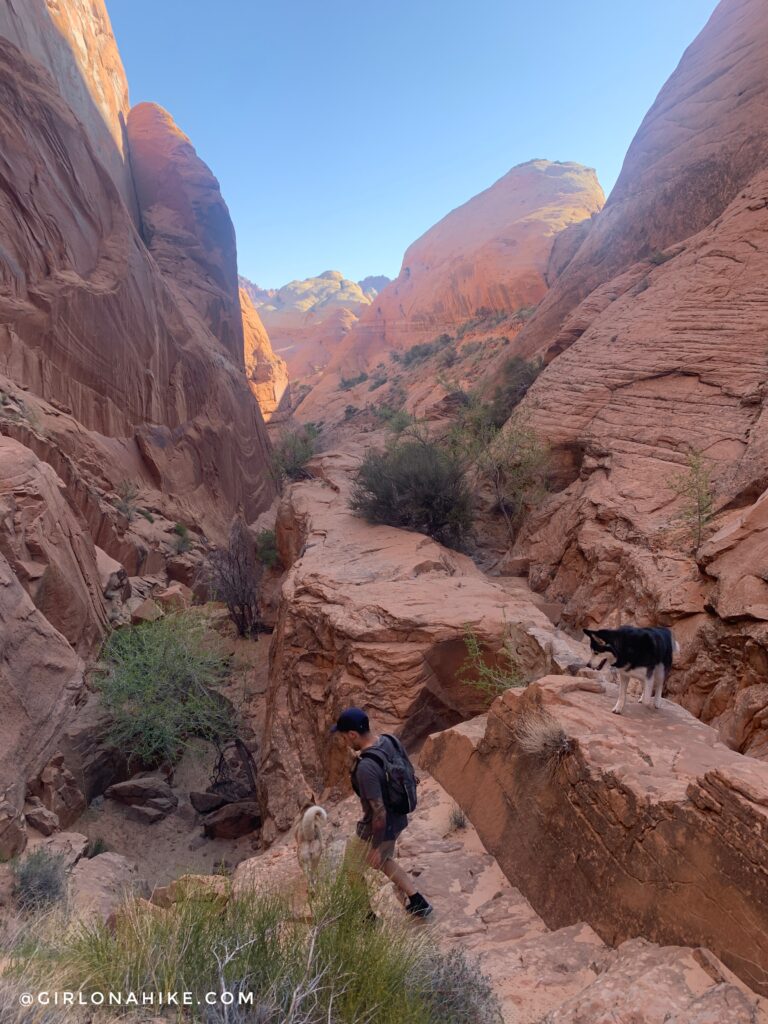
(398, 745)
(375, 755)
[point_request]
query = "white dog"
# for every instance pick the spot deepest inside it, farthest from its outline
(311, 841)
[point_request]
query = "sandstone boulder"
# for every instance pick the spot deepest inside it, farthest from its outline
(214, 888)
(40, 818)
(640, 825)
(149, 797)
(146, 611)
(175, 598)
(98, 885)
(58, 791)
(70, 846)
(232, 820)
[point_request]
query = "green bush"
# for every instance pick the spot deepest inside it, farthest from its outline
(516, 377)
(157, 685)
(415, 485)
(39, 880)
(266, 548)
(377, 382)
(491, 675)
(694, 486)
(349, 412)
(146, 514)
(335, 967)
(127, 492)
(293, 450)
(347, 383)
(182, 541)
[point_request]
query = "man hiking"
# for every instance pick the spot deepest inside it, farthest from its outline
(384, 780)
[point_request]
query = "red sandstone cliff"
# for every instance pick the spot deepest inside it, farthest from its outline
(267, 373)
(121, 360)
(73, 41)
(699, 144)
(665, 355)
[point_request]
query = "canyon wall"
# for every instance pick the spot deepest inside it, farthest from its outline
(122, 363)
(663, 358)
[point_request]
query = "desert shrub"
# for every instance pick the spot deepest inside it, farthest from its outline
(146, 514)
(658, 257)
(396, 420)
(182, 541)
(157, 684)
(95, 847)
(516, 376)
(39, 880)
(416, 485)
(458, 819)
(350, 411)
(424, 350)
(377, 382)
(525, 313)
(336, 967)
(694, 486)
(232, 574)
(447, 358)
(455, 989)
(347, 383)
(293, 450)
(266, 548)
(127, 492)
(512, 459)
(494, 675)
(540, 736)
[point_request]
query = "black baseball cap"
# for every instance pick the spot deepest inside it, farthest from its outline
(352, 720)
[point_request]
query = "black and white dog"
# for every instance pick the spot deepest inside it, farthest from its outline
(634, 651)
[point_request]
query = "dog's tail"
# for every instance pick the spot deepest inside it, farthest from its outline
(310, 820)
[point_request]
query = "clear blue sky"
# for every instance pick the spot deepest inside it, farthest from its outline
(341, 131)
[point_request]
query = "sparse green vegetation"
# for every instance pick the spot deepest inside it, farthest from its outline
(95, 847)
(349, 412)
(39, 880)
(458, 819)
(397, 420)
(516, 376)
(484, 319)
(694, 486)
(525, 313)
(423, 351)
(293, 450)
(127, 492)
(417, 485)
(182, 541)
(266, 548)
(145, 514)
(347, 383)
(377, 382)
(158, 685)
(658, 257)
(494, 674)
(335, 967)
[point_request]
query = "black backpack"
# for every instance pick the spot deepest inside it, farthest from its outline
(399, 787)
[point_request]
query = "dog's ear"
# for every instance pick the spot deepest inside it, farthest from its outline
(589, 632)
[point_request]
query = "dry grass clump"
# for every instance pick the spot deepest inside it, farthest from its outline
(540, 737)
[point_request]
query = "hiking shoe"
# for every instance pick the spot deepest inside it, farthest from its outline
(418, 906)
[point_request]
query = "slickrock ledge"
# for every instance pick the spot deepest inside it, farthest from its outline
(374, 616)
(640, 825)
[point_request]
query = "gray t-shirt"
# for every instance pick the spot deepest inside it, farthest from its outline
(369, 777)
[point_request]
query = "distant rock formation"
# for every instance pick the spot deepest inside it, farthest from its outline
(372, 285)
(490, 254)
(307, 320)
(267, 373)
